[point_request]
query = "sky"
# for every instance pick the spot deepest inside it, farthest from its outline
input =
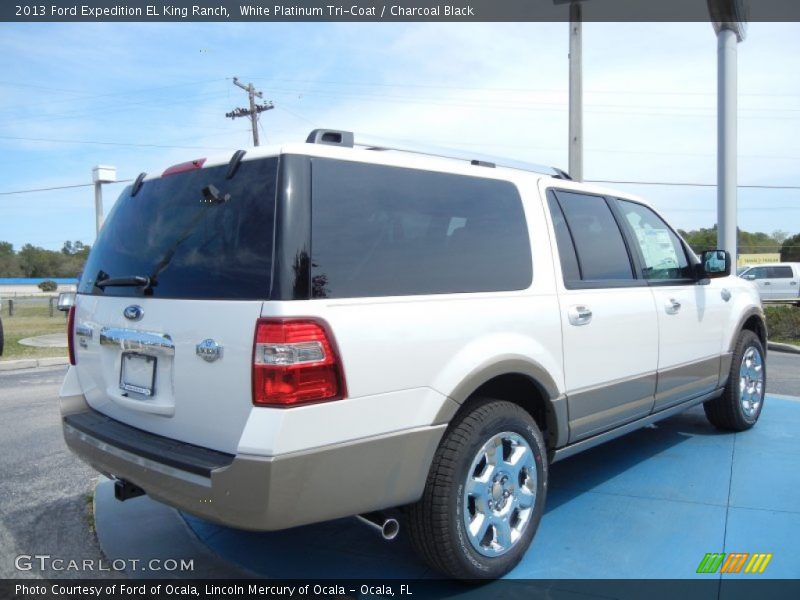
(141, 97)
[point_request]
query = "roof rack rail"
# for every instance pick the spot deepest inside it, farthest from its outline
(347, 139)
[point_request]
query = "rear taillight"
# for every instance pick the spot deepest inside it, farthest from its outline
(295, 361)
(71, 334)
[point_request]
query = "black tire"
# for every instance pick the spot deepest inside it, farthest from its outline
(728, 411)
(437, 521)
(2, 338)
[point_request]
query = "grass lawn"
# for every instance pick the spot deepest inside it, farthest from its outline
(30, 319)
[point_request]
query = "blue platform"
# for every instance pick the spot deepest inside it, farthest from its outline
(648, 505)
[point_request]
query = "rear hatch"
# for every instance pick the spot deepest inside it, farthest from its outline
(169, 298)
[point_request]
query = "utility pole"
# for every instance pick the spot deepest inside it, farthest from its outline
(101, 174)
(575, 92)
(254, 109)
(575, 145)
(729, 18)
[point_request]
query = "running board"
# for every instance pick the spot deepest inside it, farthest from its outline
(577, 447)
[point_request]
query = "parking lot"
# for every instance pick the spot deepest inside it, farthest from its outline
(657, 500)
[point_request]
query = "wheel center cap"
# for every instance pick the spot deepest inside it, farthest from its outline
(497, 491)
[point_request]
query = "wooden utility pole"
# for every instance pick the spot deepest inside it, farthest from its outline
(254, 109)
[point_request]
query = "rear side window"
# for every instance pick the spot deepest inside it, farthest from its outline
(782, 272)
(598, 243)
(196, 235)
(388, 231)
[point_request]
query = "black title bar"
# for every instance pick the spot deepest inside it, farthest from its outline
(404, 10)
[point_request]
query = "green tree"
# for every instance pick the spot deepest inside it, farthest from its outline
(748, 243)
(701, 240)
(48, 285)
(9, 263)
(790, 249)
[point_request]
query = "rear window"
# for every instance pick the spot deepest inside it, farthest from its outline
(388, 231)
(196, 235)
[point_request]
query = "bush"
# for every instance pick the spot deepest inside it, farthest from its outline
(783, 322)
(48, 286)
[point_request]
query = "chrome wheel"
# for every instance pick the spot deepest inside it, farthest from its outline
(500, 493)
(751, 381)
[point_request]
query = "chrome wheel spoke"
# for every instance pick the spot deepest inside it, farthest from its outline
(495, 454)
(476, 487)
(502, 533)
(525, 498)
(479, 525)
(521, 457)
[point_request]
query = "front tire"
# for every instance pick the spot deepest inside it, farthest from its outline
(484, 495)
(740, 404)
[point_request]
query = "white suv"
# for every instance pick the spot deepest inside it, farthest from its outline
(296, 334)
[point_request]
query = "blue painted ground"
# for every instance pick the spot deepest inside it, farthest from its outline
(648, 505)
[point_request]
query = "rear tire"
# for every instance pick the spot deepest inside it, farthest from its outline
(742, 400)
(484, 495)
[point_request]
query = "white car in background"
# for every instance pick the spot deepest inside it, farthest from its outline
(776, 282)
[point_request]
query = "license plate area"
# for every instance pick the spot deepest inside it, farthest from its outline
(138, 374)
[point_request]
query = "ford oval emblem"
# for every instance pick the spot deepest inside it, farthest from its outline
(209, 350)
(133, 313)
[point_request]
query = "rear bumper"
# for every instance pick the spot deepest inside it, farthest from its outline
(254, 492)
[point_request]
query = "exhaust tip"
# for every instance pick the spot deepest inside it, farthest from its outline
(390, 529)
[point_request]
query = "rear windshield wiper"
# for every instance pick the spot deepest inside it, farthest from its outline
(133, 281)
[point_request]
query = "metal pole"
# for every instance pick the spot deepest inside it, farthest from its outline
(98, 205)
(726, 142)
(253, 114)
(575, 93)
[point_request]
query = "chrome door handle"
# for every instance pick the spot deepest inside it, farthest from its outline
(725, 293)
(766, 283)
(792, 283)
(672, 306)
(579, 315)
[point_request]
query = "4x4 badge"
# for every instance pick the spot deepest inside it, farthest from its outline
(133, 312)
(209, 350)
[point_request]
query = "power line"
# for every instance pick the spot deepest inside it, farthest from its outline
(129, 144)
(58, 187)
(519, 89)
(525, 106)
(685, 184)
(664, 183)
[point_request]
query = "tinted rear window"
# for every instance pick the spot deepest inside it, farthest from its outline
(388, 231)
(192, 245)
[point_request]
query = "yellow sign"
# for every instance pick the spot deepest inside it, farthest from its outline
(745, 260)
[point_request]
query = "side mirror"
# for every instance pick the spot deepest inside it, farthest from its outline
(750, 277)
(716, 263)
(66, 300)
